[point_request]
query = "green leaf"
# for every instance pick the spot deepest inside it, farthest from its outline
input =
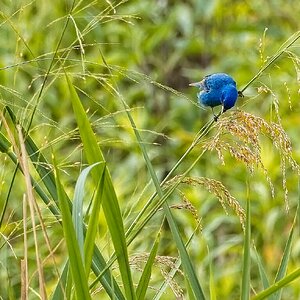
(212, 285)
(4, 144)
(61, 287)
(41, 165)
(284, 261)
(76, 263)
(262, 272)
(78, 219)
(110, 203)
(278, 285)
(186, 262)
(90, 237)
(39, 161)
(145, 278)
(107, 280)
(47, 177)
(245, 292)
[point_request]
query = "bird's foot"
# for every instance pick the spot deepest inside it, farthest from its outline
(240, 94)
(215, 116)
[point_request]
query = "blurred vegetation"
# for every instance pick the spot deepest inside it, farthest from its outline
(153, 50)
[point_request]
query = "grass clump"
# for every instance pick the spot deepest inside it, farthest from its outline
(98, 142)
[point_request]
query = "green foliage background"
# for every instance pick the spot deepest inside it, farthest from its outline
(154, 50)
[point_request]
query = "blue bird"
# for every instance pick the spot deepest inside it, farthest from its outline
(217, 89)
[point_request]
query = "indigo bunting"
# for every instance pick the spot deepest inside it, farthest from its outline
(217, 89)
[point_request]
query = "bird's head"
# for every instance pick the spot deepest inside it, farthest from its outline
(229, 96)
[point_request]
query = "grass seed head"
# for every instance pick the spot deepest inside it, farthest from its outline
(239, 134)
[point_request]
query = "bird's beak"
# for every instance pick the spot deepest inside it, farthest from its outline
(196, 84)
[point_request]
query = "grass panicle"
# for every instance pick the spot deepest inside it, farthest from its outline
(164, 264)
(239, 134)
(215, 187)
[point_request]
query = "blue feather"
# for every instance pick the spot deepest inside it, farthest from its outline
(217, 89)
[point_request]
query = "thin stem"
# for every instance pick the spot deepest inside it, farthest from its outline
(204, 130)
(271, 60)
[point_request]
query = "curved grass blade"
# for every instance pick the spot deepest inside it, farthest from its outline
(110, 203)
(38, 159)
(145, 278)
(173, 271)
(76, 263)
(47, 177)
(61, 287)
(86, 244)
(5, 147)
(89, 242)
(77, 206)
(186, 262)
(278, 285)
(284, 262)
(262, 273)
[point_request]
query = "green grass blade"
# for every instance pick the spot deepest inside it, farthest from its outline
(186, 262)
(42, 167)
(47, 176)
(60, 290)
(5, 147)
(173, 271)
(110, 203)
(262, 272)
(93, 224)
(76, 263)
(77, 214)
(4, 144)
(145, 278)
(107, 280)
(281, 271)
(39, 161)
(212, 285)
(245, 292)
(284, 261)
(191, 295)
(278, 285)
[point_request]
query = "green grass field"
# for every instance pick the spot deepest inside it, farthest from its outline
(115, 183)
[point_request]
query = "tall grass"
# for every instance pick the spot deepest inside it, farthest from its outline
(92, 207)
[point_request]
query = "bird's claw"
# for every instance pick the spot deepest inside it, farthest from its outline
(216, 117)
(240, 94)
